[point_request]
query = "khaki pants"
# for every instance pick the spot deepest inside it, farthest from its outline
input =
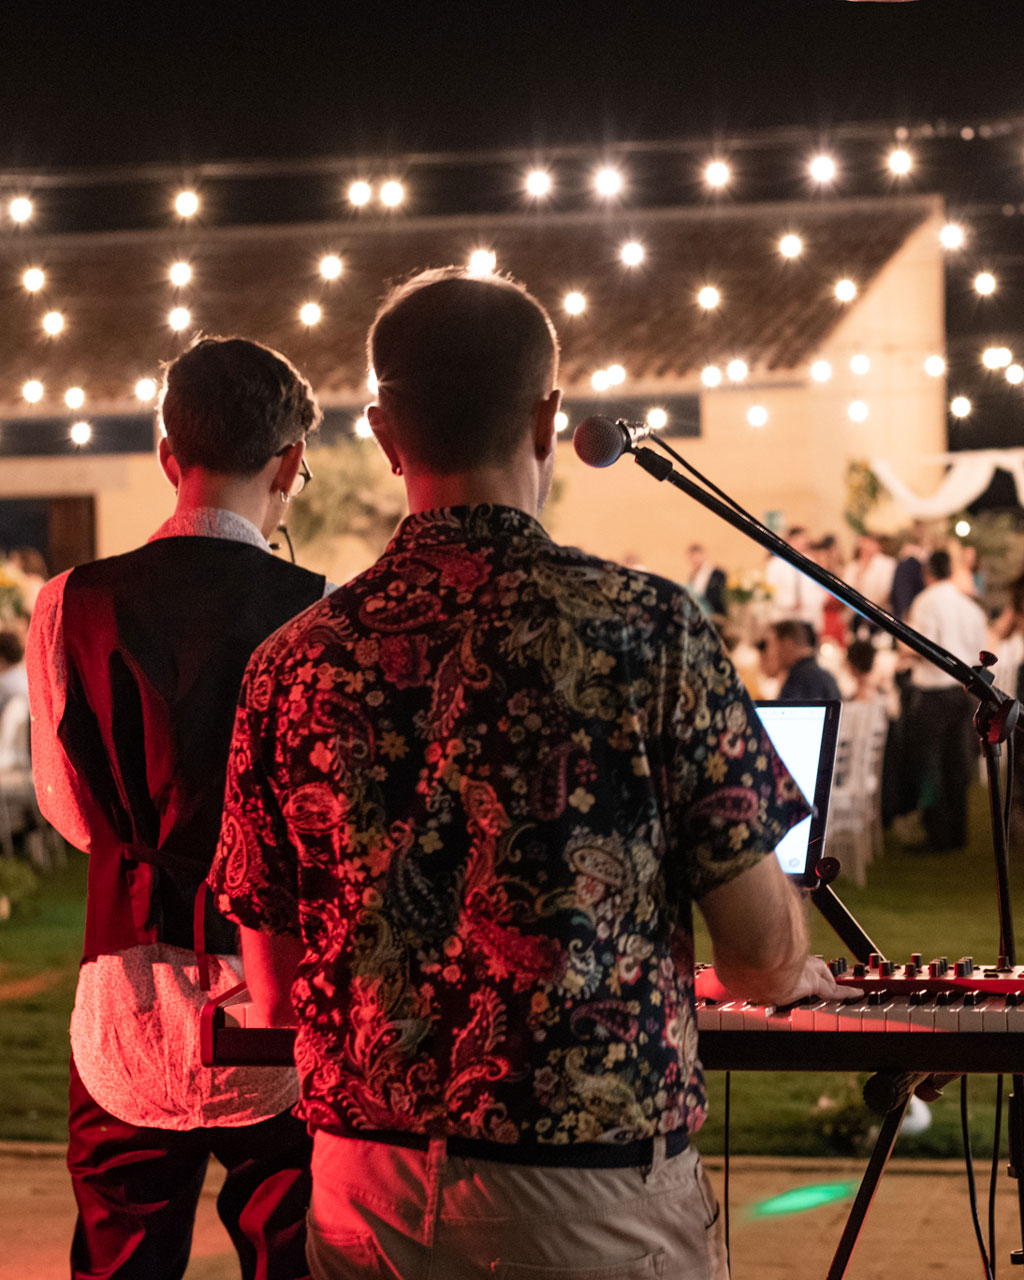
(387, 1211)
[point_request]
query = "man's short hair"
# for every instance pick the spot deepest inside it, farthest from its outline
(460, 362)
(797, 631)
(940, 564)
(228, 405)
(860, 654)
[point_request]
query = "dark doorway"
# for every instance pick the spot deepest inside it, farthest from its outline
(63, 529)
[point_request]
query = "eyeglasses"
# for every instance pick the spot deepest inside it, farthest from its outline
(304, 476)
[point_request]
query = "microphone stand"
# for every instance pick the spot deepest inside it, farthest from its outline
(995, 720)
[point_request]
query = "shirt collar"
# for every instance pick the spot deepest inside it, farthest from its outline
(482, 523)
(211, 522)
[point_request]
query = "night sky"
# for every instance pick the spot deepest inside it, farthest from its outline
(112, 82)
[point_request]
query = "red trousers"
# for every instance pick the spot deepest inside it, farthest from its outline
(137, 1191)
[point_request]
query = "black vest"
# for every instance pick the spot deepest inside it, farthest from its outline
(157, 642)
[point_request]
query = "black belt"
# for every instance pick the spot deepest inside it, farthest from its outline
(577, 1155)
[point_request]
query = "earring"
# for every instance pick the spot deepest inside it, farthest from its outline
(396, 469)
(285, 497)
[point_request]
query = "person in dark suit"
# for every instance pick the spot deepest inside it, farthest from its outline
(788, 651)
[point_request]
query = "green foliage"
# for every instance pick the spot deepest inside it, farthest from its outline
(347, 497)
(864, 491)
(17, 883)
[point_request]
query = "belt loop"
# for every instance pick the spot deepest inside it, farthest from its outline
(657, 1157)
(437, 1154)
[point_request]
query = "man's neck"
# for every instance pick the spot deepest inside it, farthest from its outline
(200, 489)
(428, 492)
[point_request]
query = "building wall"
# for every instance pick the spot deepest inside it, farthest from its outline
(795, 465)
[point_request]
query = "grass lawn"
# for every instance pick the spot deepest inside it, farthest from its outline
(938, 905)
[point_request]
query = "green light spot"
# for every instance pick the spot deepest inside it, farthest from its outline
(801, 1199)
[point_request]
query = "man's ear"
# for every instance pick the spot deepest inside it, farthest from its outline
(169, 463)
(544, 430)
(289, 462)
(379, 425)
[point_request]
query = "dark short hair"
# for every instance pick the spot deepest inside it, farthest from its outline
(797, 630)
(228, 405)
(940, 564)
(860, 654)
(460, 363)
(11, 648)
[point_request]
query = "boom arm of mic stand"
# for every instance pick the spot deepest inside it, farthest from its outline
(998, 714)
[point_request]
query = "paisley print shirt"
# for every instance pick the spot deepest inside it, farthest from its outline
(485, 781)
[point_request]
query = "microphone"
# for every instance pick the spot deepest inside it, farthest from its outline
(599, 441)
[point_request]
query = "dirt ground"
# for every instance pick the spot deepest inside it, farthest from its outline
(919, 1226)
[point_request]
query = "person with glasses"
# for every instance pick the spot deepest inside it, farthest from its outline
(135, 663)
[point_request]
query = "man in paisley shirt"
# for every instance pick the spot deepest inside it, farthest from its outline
(473, 796)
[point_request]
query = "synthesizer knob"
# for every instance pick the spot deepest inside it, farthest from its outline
(873, 960)
(860, 971)
(944, 962)
(934, 968)
(916, 959)
(885, 969)
(910, 970)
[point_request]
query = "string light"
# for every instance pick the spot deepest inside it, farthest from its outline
(181, 274)
(821, 371)
(179, 318)
(187, 204)
(561, 421)
(960, 406)
(538, 183)
(392, 194)
(985, 283)
(608, 182)
(962, 528)
(482, 262)
(952, 236)
(935, 366)
(53, 322)
(996, 357)
(846, 290)
(711, 375)
(616, 375)
(1015, 375)
(600, 380)
(632, 253)
(74, 397)
(900, 161)
(857, 411)
(860, 365)
(330, 266)
(145, 389)
(20, 208)
(709, 297)
(716, 174)
(33, 279)
(657, 419)
(757, 415)
(574, 303)
(360, 193)
(363, 429)
(33, 391)
(791, 246)
(822, 168)
(310, 313)
(81, 433)
(737, 370)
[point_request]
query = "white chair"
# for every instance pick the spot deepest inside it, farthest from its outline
(854, 833)
(19, 809)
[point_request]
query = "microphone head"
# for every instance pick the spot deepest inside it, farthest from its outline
(599, 441)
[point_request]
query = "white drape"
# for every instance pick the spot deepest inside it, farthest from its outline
(969, 475)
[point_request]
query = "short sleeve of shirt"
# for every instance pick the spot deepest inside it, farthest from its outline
(254, 877)
(731, 797)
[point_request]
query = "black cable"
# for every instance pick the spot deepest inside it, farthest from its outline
(994, 1173)
(725, 1167)
(971, 1189)
(276, 546)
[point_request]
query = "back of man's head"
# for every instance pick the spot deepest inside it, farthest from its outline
(940, 565)
(11, 650)
(229, 405)
(461, 362)
(797, 633)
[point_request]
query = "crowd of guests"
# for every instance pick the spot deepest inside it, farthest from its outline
(22, 574)
(807, 646)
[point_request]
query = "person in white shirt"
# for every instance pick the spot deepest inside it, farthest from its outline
(939, 711)
(794, 595)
